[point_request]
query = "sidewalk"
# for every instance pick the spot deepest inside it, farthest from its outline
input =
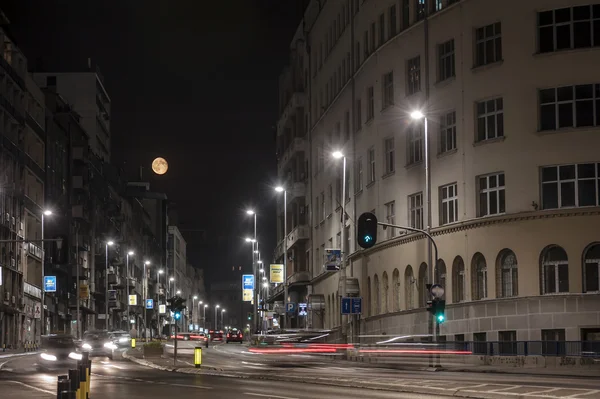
(164, 363)
(15, 352)
(18, 390)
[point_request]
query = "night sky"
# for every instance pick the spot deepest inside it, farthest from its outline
(190, 80)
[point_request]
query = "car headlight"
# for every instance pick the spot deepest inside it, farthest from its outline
(110, 345)
(123, 339)
(75, 356)
(86, 346)
(50, 358)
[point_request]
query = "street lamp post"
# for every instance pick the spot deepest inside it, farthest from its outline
(285, 244)
(222, 311)
(216, 307)
(42, 313)
(194, 298)
(254, 251)
(338, 155)
(417, 115)
(130, 253)
(108, 244)
(204, 317)
(158, 273)
(146, 263)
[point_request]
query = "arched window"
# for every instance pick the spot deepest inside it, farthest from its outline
(507, 273)
(423, 281)
(369, 298)
(384, 293)
(440, 276)
(376, 296)
(409, 284)
(458, 280)
(396, 290)
(554, 270)
(591, 268)
(479, 276)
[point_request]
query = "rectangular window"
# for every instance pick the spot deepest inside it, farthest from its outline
(347, 126)
(405, 14)
(388, 90)
(438, 5)
(488, 44)
(337, 134)
(415, 210)
(359, 174)
(492, 200)
(366, 44)
(331, 205)
(343, 73)
(373, 36)
(413, 75)
(415, 145)
(448, 132)
(381, 29)
(446, 60)
(390, 216)
(569, 28)
(371, 157)
(449, 204)
(358, 115)
(390, 155)
(419, 9)
(370, 103)
(393, 23)
(317, 211)
(357, 61)
(490, 119)
(569, 186)
(323, 208)
(338, 192)
(570, 106)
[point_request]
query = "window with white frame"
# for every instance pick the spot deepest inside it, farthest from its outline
(390, 155)
(569, 28)
(449, 204)
(413, 75)
(359, 174)
(488, 44)
(415, 210)
(331, 206)
(554, 271)
(338, 191)
(490, 119)
(508, 274)
(323, 207)
(338, 240)
(393, 22)
(388, 90)
(570, 106)
(390, 217)
(492, 199)
(415, 144)
(358, 115)
(381, 29)
(448, 132)
(371, 157)
(446, 60)
(346, 126)
(568, 186)
(370, 103)
(317, 211)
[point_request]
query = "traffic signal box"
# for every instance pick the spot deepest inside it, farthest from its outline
(367, 230)
(176, 305)
(437, 308)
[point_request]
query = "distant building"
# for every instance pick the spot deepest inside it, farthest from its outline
(85, 91)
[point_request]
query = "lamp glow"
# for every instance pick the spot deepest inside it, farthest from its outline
(337, 154)
(416, 115)
(279, 189)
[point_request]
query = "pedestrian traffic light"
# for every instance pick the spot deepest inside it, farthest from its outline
(367, 230)
(249, 316)
(177, 315)
(437, 308)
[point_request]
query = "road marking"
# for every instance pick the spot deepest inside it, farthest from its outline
(268, 396)
(190, 386)
(254, 364)
(32, 387)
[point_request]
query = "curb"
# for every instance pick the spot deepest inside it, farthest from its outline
(18, 354)
(213, 371)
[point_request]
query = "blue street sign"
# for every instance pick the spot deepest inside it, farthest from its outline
(149, 303)
(291, 307)
(302, 309)
(356, 305)
(346, 305)
(50, 283)
(248, 281)
(351, 305)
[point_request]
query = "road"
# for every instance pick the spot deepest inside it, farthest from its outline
(124, 379)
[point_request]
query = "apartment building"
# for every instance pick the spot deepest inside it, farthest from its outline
(509, 94)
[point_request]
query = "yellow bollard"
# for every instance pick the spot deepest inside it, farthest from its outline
(198, 357)
(132, 343)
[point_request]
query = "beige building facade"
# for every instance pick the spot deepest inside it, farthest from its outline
(511, 98)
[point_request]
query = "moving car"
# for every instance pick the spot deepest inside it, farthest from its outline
(121, 339)
(58, 351)
(216, 336)
(235, 335)
(98, 343)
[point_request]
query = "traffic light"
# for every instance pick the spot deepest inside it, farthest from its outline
(177, 315)
(249, 316)
(367, 230)
(176, 305)
(437, 308)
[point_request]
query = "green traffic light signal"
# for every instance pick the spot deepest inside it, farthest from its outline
(367, 230)
(440, 318)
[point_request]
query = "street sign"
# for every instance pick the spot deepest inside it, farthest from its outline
(84, 291)
(50, 283)
(248, 282)
(276, 276)
(133, 300)
(291, 307)
(351, 305)
(333, 259)
(162, 309)
(149, 303)
(302, 309)
(437, 291)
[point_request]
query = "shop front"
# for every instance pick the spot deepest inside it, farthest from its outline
(31, 328)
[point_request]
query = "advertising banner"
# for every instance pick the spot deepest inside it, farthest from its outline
(132, 300)
(162, 309)
(333, 259)
(247, 282)
(50, 283)
(276, 274)
(84, 291)
(247, 294)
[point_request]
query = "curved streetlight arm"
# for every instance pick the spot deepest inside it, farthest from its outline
(435, 248)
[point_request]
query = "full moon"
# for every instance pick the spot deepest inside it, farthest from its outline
(160, 166)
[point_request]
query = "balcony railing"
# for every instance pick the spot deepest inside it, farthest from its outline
(296, 101)
(298, 144)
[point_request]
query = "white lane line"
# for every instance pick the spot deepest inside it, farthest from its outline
(32, 387)
(268, 396)
(190, 386)
(253, 364)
